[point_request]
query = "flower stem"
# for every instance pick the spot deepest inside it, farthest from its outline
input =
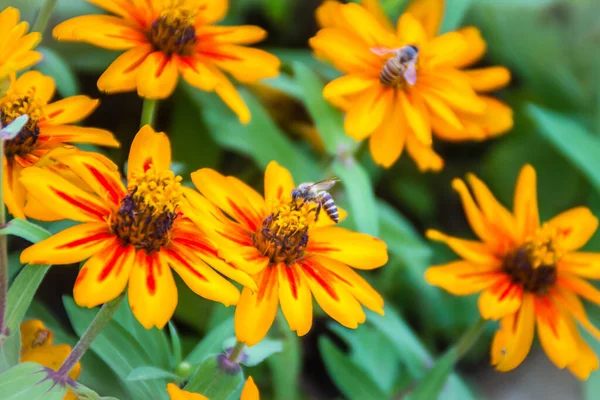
(100, 321)
(236, 352)
(44, 16)
(469, 338)
(3, 255)
(149, 112)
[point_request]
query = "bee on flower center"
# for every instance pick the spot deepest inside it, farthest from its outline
(310, 192)
(146, 214)
(401, 69)
(173, 32)
(533, 265)
(14, 105)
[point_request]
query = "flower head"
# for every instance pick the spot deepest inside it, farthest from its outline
(49, 126)
(403, 85)
(130, 235)
(36, 346)
(16, 45)
(530, 274)
(168, 38)
(291, 254)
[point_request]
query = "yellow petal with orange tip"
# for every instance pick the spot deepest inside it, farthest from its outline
(71, 245)
(331, 295)
(104, 31)
(580, 286)
(175, 393)
(429, 13)
(358, 250)
(254, 198)
(105, 275)
(34, 334)
(295, 298)
(250, 391)
(157, 76)
(52, 357)
(122, 74)
(256, 311)
(356, 285)
(247, 64)
(230, 271)
(43, 85)
(575, 227)
(149, 148)
(469, 250)
(463, 277)
(501, 299)
(424, 156)
(279, 182)
(152, 291)
(488, 79)
(518, 340)
(525, 203)
(69, 110)
(63, 196)
(571, 303)
(559, 341)
(368, 111)
(78, 134)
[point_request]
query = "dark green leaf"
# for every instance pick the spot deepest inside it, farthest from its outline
(454, 13)
(146, 373)
(24, 229)
(21, 293)
(286, 366)
(212, 382)
(10, 355)
(28, 381)
(257, 353)
(85, 393)
(431, 386)
(54, 65)
(359, 189)
(348, 377)
(211, 343)
(175, 344)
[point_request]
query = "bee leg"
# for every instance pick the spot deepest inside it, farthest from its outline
(319, 205)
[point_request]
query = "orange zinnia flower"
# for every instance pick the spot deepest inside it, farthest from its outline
(165, 38)
(290, 255)
(36, 346)
(529, 274)
(435, 95)
(249, 392)
(16, 47)
(132, 234)
(48, 127)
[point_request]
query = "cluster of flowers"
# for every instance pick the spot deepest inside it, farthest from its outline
(132, 235)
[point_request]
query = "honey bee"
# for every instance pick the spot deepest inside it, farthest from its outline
(402, 65)
(317, 193)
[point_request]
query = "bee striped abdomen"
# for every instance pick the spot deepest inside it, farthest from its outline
(330, 208)
(391, 71)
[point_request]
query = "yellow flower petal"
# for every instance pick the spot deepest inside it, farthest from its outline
(43, 85)
(78, 134)
(122, 74)
(278, 182)
(367, 111)
(525, 203)
(178, 394)
(149, 148)
(429, 13)
(250, 391)
(104, 31)
(244, 34)
(575, 227)
(69, 110)
(247, 64)
(425, 157)
(157, 76)
(463, 277)
(556, 337)
(295, 298)
(488, 79)
(470, 250)
(386, 143)
(500, 300)
(518, 336)
(367, 26)
(410, 30)
(34, 334)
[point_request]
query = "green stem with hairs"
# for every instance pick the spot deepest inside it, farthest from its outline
(149, 112)
(44, 16)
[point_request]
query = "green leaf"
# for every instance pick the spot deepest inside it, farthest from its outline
(211, 343)
(24, 229)
(328, 120)
(347, 376)
(85, 393)
(363, 207)
(119, 349)
(454, 13)
(571, 139)
(54, 65)
(212, 382)
(431, 386)
(257, 353)
(11, 130)
(21, 293)
(175, 344)
(29, 381)
(286, 366)
(148, 372)
(10, 355)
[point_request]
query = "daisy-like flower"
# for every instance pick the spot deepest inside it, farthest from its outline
(249, 392)
(168, 38)
(434, 94)
(129, 234)
(16, 45)
(37, 347)
(48, 127)
(292, 257)
(530, 274)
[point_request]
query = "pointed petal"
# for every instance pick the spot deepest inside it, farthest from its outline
(250, 391)
(501, 299)
(579, 286)
(475, 49)
(241, 34)
(70, 245)
(78, 134)
(212, 11)
(488, 79)
(411, 30)
(586, 361)
(569, 300)
(122, 74)
(245, 64)
(278, 182)
(69, 110)
(157, 76)
(149, 148)
(352, 248)
(194, 71)
(295, 298)
(104, 31)
(104, 276)
(442, 50)
(518, 336)
(424, 156)
(463, 277)
(367, 26)
(477, 221)
(575, 227)
(348, 85)
(429, 13)
(256, 311)
(525, 203)
(470, 250)
(179, 394)
(387, 141)
(555, 335)
(347, 52)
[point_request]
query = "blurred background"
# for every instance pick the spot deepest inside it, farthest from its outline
(551, 47)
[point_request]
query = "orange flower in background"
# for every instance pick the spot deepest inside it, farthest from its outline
(16, 45)
(49, 127)
(168, 38)
(530, 274)
(37, 347)
(291, 256)
(130, 235)
(249, 392)
(401, 85)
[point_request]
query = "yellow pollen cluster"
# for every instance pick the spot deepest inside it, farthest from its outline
(180, 12)
(15, 104)
(542, 248)
(159, 190)
(173, 32)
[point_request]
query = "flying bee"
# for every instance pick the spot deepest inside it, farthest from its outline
(402, 65)
(317, 193)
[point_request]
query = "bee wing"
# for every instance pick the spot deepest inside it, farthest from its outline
(324, 185)
(382, 50)
(411, 74)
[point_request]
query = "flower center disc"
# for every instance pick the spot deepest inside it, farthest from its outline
(146, 214)
(283, 235)
(534, 264)
(173, 31)
(13, 106)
